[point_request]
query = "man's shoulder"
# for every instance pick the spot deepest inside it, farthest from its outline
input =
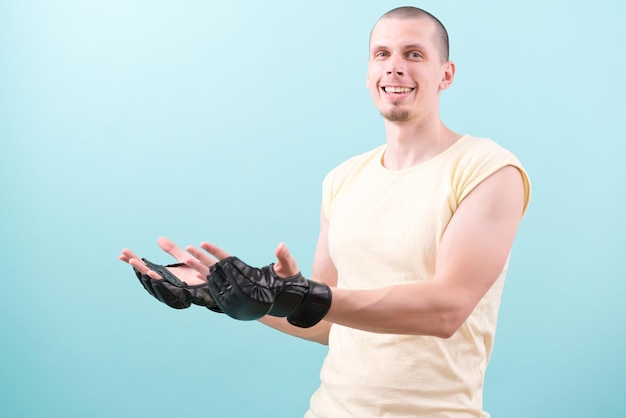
(479, 148)
(359, 160)
(351, 168)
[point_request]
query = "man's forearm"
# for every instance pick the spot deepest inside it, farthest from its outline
(415, 309)
(318, 333)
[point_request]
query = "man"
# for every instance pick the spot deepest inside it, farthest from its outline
(412, 253)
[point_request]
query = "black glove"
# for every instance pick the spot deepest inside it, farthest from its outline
(174, 292)
(247, 293)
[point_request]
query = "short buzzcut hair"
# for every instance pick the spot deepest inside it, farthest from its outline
(411, 12)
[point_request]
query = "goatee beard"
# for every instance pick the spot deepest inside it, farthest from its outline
(397, 115)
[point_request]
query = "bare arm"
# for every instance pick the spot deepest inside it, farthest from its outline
(473, 252)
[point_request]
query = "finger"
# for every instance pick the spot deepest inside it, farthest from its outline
(203, 257)
(286, 265)
(172, 249)
(203, 271)
(141, 267)
(216, 251)
(126, 255)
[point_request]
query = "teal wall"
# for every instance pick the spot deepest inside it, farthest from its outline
(121, 121)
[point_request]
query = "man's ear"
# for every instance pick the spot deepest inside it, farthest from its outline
(449, 70)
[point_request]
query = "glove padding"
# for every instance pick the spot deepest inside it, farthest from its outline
(174, 292)
(248, 293)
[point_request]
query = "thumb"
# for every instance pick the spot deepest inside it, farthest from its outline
(286, 266)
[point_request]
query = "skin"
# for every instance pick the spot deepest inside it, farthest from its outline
(477, 241)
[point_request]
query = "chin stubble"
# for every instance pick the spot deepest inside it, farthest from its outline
(396, 115)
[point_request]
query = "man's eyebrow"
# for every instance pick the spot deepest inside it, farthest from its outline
(414, 46)
(409, 46)
(378, 47)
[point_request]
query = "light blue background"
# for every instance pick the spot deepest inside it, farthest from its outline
(121, 121)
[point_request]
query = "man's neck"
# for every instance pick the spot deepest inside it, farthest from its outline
(410, 143)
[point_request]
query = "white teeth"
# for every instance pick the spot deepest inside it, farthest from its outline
(397, 89)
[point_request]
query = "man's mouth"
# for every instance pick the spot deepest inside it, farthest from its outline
(398, 89)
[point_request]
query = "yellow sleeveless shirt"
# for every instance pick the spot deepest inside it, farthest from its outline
(384, 229)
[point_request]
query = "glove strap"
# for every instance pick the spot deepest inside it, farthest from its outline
(314, 307)
(167, 275)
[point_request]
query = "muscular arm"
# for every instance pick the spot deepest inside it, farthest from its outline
(472, 254)
(323, 271)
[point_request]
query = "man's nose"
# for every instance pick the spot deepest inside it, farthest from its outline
(395, 66)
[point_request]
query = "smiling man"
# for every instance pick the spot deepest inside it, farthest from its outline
(395, 74)
(412, 253)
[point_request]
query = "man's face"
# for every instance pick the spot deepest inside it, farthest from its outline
(406, 71)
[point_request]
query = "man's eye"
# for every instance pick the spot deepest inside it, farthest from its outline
(415, 55)
(381, 54)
